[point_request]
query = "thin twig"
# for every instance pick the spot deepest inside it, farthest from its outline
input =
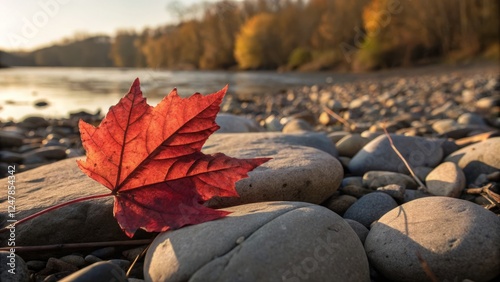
(8, 227)
(338, 117)
(422, 186)
(136, 259)
(25, 249)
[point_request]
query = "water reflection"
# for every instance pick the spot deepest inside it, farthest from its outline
(90, 89)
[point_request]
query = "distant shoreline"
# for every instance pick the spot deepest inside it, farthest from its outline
(474, 63)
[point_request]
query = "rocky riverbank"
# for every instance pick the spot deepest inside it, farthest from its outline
(334, 203)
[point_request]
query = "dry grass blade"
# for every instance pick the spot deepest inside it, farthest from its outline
(336, 116)
(494, 196)
(137, 258)
(426, 268)
(422, 186)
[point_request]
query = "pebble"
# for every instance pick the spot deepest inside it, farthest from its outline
(444, 125)
(296, 172)
(36, 265)
(411, 195)
(56, 276)
(355, 191)
(57, 265)
(326, 119)
(235, 124)
(375, 179)
(482, 157)
(284, 240)
(345, 162)
(422, 171)
(297, 125)
(93, 219)
(104, 253)
(272, 123)
(33, 122)
(122, 263)
(10, 140)
(353, 181)
(394, 190)
(370, 208)
(337, 135)
(350, 145)
(48, 153)
(421, 107)
(18, 266)
(98, 272)
(471, 119)
(90, 259)
(10, 157)
(339, 203)
(457, 239)
(447, 179)
(359, 228)
(379, 155)
(132, 254)
(75, 260)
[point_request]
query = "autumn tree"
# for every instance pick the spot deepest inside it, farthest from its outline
(123, 49)
(188, 36)
(258, 44)
(220, 24)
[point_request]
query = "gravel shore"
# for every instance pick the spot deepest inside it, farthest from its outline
(334, 177)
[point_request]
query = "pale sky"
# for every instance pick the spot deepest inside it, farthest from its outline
(28, 24)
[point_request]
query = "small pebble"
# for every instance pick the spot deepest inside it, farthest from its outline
(394, 190)
(92, 259)
(104, 253)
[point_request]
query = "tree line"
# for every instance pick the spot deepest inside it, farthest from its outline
(295, 34)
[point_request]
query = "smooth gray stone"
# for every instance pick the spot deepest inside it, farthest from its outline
(48, 153)
(19, 272)
(98, 272)
(370, 208)
(375, 179)
(271, 241)
(479, 158)
(49, 185)
(394, 190)
(379, 155)
(232, 142)
(350, 145)
(457, 239)
(10, 139)
(33, 122)
(295, 173)
(297, 125)
(339, 204)
(447, 179)
(10, 157)
(359, 228)
(310, 175)
(235, 124)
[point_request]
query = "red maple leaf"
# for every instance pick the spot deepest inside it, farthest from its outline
(151, 160)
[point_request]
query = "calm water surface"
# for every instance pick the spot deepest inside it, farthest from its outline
(73, 89)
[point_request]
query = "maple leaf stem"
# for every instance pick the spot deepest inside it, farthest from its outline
(53, 208)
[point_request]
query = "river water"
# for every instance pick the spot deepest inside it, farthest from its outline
(74, 89)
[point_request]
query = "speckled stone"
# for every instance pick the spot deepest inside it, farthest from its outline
(458, 240)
